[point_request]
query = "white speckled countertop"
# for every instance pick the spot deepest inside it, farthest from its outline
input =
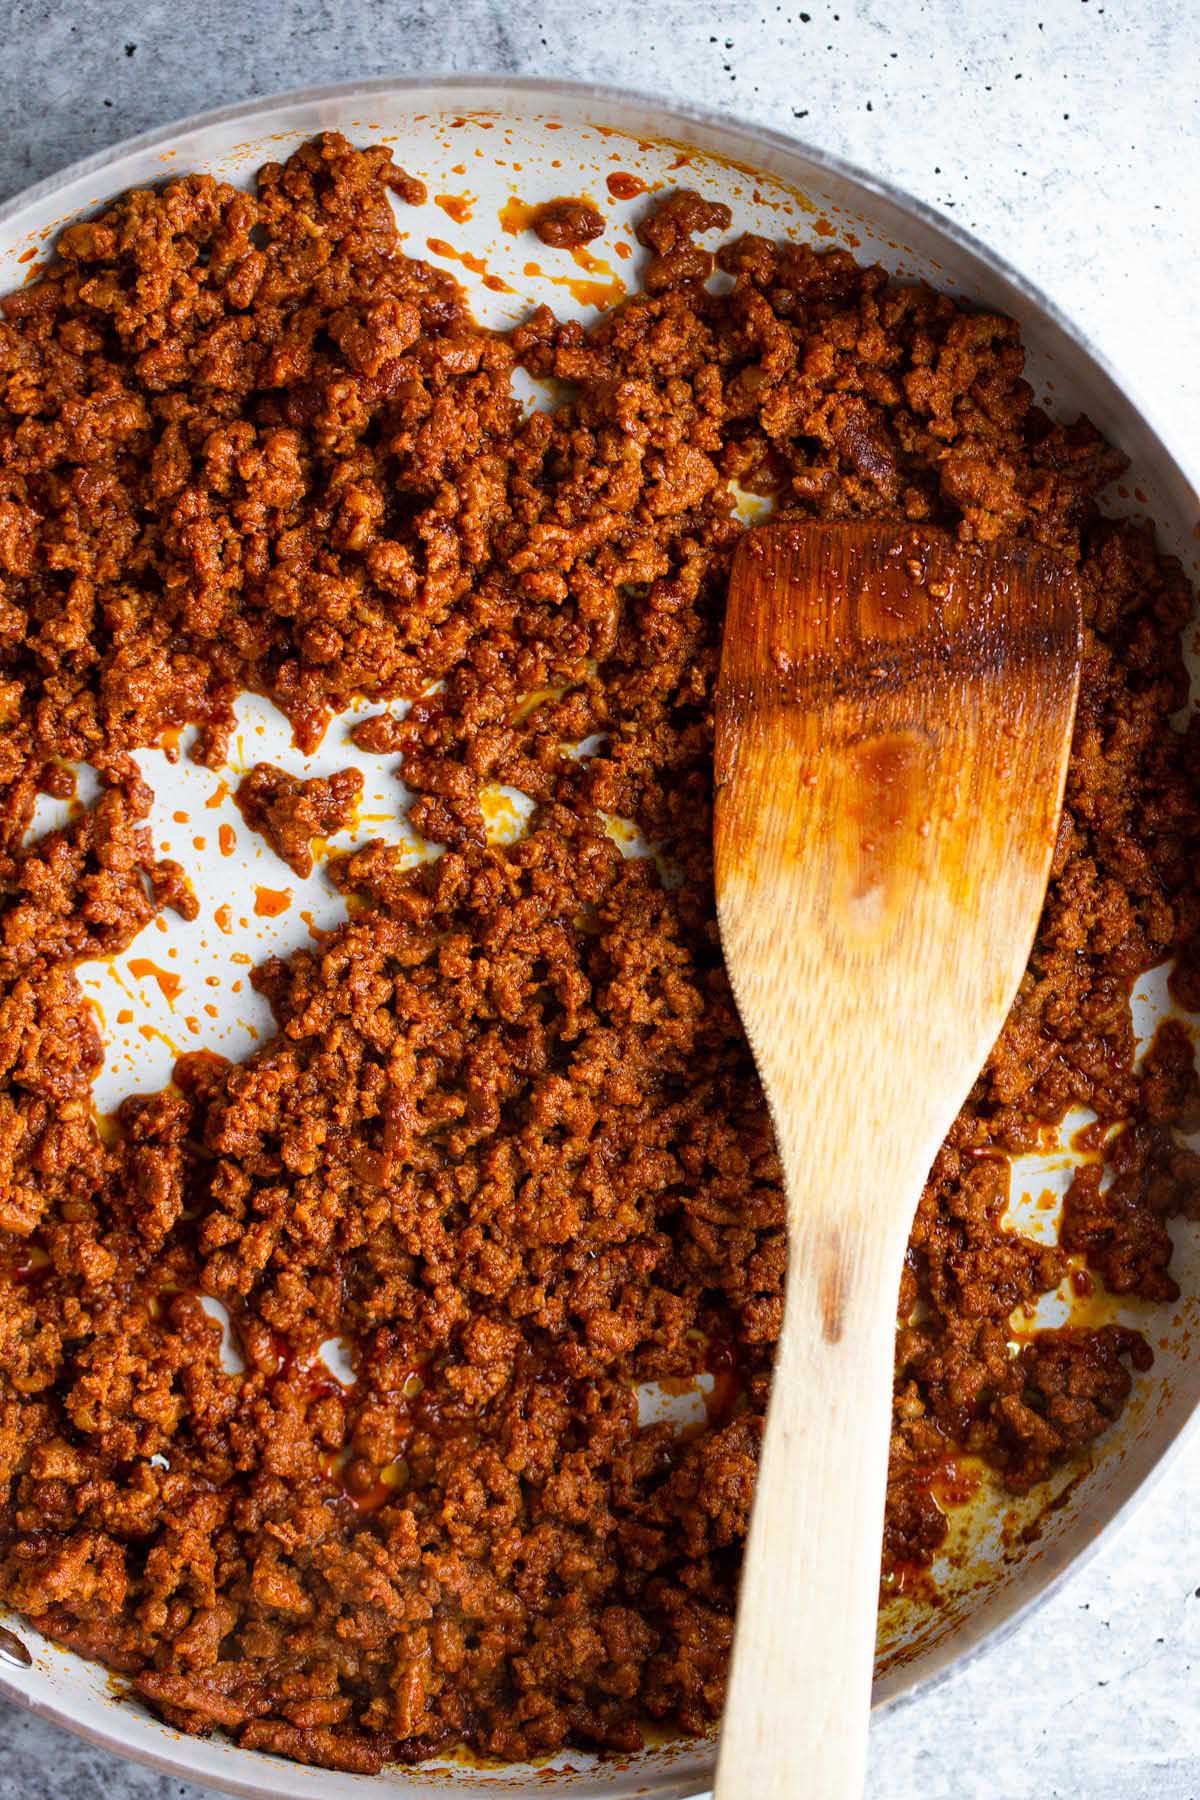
(1067, 134)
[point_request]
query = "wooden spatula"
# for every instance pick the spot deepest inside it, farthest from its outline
(893, 719)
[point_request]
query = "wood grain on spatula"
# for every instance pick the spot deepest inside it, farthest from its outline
(894, 714)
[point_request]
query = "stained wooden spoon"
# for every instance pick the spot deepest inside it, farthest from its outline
(894, 714)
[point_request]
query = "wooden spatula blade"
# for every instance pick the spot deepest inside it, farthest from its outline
(893, 724)
(892, 739)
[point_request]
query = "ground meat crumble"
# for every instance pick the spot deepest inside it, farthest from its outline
(507, 1142)
(291, 813)
(567, 224)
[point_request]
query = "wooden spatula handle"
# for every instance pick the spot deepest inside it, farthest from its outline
(893, 720)
(799, 1693)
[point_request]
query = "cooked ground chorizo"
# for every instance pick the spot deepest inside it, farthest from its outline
(567, 224)
(290, 813)
(507, 1143)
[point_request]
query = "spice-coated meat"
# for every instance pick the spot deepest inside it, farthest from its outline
(291, 812)
(567, 224)
(507, 1142)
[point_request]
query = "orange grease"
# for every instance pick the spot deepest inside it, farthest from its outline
(585, 260)
(588, 293)
(475, 264)
(515, 215)
(457, 206)
(270, 902)
(141, 966)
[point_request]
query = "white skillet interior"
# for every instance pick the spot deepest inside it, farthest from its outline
(184, 986)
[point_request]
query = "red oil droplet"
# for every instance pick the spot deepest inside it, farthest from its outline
(270, 902)
(140, 967)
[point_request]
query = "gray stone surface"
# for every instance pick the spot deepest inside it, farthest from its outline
(1067, 133)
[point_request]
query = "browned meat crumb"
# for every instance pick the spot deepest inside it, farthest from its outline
(507, 1141)
(290, 811)
(411, 188)
(567, 224)
(379, 733)
(170, 887)
(667, 231)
